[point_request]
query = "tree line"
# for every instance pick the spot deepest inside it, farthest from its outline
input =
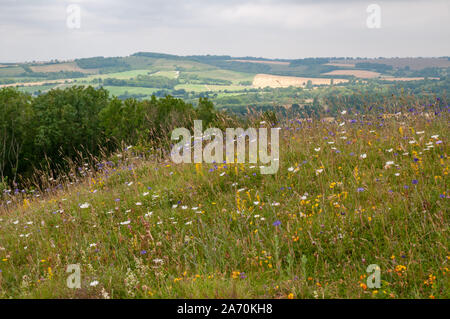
(47, 130)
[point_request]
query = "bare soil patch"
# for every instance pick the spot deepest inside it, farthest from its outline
(275, 81)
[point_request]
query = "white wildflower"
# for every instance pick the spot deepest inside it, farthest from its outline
(85, 205)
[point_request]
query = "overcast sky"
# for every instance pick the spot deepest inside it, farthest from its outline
(38, 29)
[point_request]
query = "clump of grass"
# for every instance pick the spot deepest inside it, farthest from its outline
(350, 193)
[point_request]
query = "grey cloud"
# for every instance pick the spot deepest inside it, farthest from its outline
(282, 28)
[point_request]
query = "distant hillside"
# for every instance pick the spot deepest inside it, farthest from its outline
(225, 78)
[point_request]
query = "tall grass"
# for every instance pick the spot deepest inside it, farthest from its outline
(142, 227)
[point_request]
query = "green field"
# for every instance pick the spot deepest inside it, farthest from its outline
(209, 87)
(121, 90)
(168, 74)
(233, 76)
(117, 75)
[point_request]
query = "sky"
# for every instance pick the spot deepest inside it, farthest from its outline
(41, 30)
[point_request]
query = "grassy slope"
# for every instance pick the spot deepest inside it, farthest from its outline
(229, 246)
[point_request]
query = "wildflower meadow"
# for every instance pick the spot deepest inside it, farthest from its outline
(355, 191)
